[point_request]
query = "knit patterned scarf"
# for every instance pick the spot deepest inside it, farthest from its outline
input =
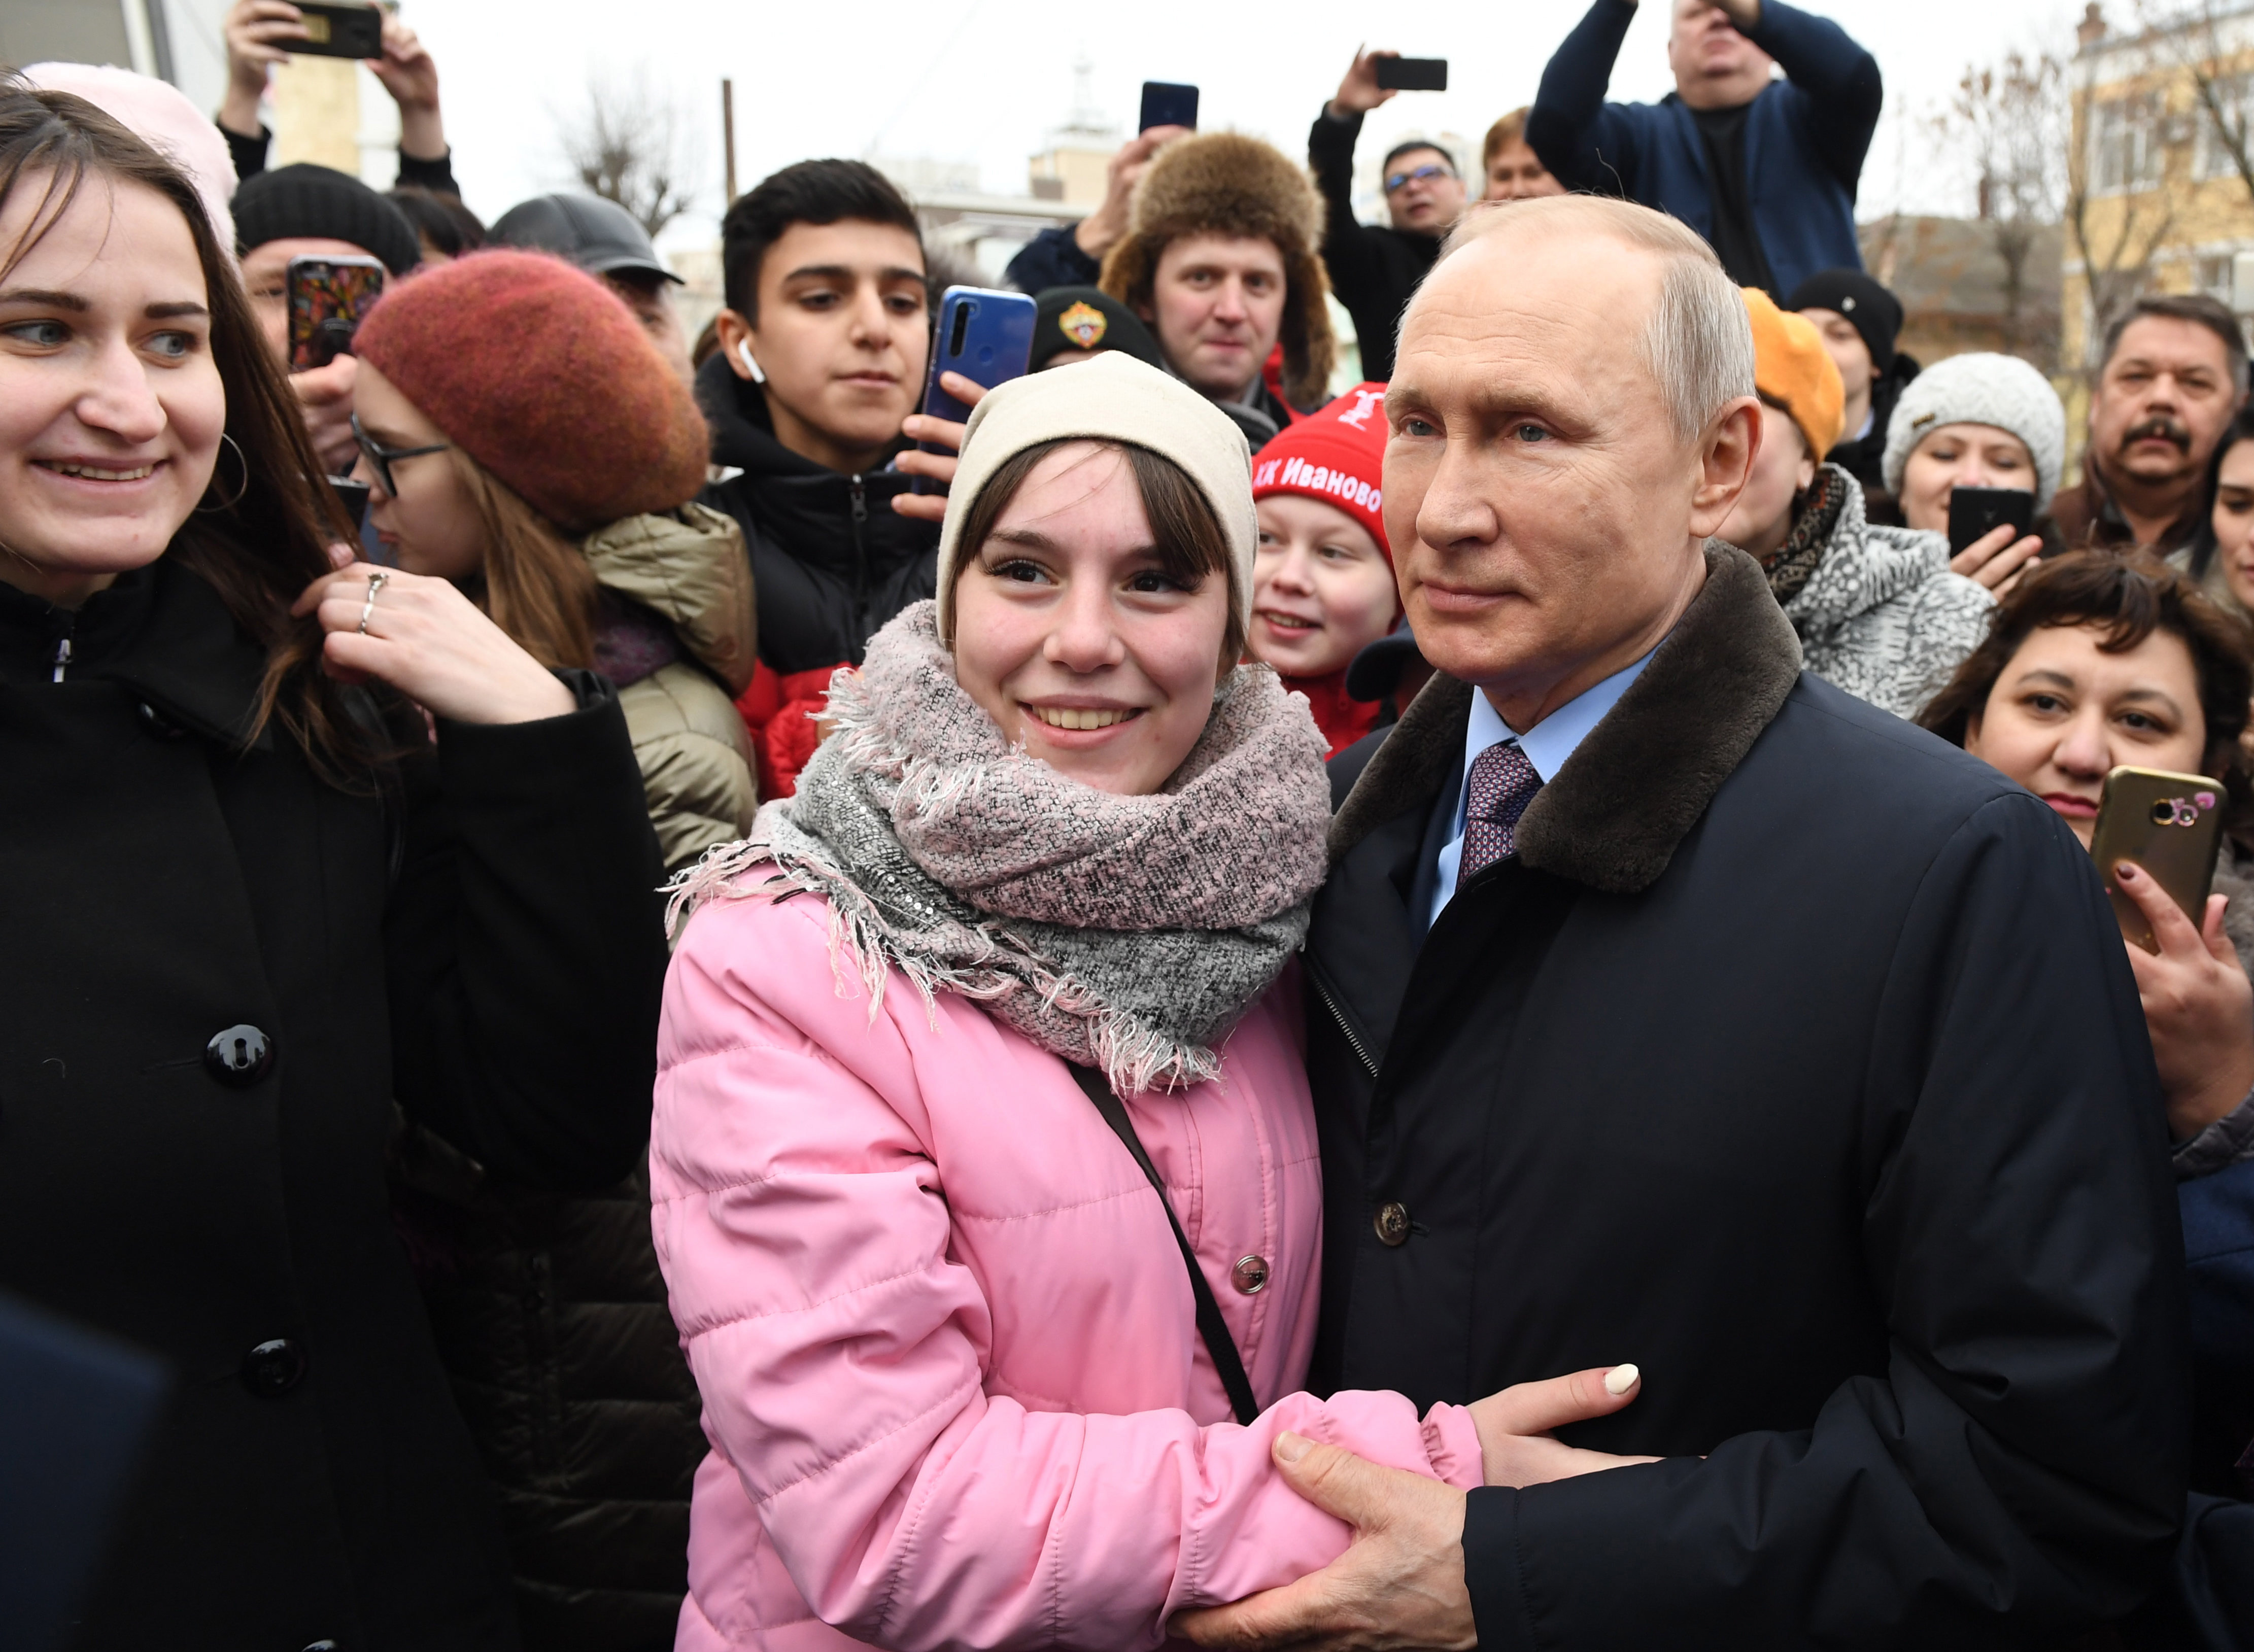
(1791, 563)
(1124, 933)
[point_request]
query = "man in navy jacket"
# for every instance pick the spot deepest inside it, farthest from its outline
(1667, 1005)
(1765, 168)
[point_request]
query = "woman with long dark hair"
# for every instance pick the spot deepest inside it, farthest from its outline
(282, 842)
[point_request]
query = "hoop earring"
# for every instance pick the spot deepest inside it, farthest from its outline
(242, 488)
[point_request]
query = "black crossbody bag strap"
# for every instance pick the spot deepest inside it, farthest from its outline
(1215, 1329)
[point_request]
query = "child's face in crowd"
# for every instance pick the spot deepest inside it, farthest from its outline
(2233, 521)
(1321, 589)
(1761, 519)
(1956, 456)
(1217, 307)
(1075, 640)
(431, 526)
(842, 336)
(111, 406)
(2065, 713)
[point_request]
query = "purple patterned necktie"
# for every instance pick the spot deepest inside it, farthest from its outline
(1502, 785)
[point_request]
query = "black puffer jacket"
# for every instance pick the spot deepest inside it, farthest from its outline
(219, 973)
(830, 558)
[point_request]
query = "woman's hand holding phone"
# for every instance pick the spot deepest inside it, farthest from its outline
(938, 467)
(1997, 558)
(2199, 1006)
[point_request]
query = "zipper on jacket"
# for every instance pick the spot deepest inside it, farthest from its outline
(860, 549)
(1354, 1040)
(60, 621)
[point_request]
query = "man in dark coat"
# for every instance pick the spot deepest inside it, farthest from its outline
(1670, 1006)
(1765, 168)
(1374, 268)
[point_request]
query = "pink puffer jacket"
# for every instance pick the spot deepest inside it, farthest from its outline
(951, 1377)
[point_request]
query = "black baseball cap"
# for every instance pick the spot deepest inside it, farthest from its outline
(1088, 319)
(599, 236)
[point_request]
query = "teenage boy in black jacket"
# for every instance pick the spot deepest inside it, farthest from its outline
(821, 357)
(1373, 269)
(1669, 1005)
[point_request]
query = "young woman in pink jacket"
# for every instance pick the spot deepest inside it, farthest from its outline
(1026, 923)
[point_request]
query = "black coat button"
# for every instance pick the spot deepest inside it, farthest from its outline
(239, 1056)
(1392, 1222)
(273, 1369)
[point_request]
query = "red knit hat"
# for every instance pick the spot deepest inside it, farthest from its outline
(542, 376)
(1337, 456)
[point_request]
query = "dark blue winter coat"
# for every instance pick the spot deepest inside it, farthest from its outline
(1805, 137)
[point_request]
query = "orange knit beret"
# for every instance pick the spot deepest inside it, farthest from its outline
(541, 374)
(1791, 366)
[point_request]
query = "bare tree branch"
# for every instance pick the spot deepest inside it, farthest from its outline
(2014, 121)
(626, 145)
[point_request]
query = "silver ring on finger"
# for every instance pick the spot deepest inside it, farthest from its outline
(377, 579)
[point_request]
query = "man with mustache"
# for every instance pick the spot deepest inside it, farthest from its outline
(2174, 373)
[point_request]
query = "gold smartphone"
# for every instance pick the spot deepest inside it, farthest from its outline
(2167, 825)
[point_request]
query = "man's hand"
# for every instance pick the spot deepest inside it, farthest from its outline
(1400, 1585)
(1359, 92)
(325, 396)
(2198, 1006)
(1517, 1447)
(1744, 15)
(259, 34)
(1102, 229)
(409, 75)
(935, 467)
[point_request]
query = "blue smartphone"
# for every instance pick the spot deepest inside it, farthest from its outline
(984, 335)
(1165, 103)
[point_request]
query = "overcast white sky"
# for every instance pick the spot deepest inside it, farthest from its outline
(981, 81)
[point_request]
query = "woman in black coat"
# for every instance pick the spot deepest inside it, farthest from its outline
(268, 869)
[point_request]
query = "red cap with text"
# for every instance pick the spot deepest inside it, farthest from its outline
(1337, 456)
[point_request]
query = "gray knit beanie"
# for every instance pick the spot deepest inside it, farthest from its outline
(1981, 389)
(1113, 398)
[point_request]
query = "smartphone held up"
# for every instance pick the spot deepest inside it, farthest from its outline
(1165, 103)
(1974, 513)
(985, 335)
(1412, 74)
(328, 299)
(2167, 825)
(340, 29)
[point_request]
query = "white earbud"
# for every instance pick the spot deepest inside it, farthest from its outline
(744, 352)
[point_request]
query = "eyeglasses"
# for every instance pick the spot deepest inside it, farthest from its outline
(1430, 169)
(380, 458)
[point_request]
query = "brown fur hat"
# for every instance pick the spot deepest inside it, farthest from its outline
(1227, 184)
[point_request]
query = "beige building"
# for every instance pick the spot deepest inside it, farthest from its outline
(2161, 200)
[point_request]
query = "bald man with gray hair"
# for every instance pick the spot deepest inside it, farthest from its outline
(1669, 1008)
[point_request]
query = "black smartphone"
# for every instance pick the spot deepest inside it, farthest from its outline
(1167, 104)
(986, 336)
(353, 496)
(1412, 74)
(1975, 512)
(340, 29)
(328, 297)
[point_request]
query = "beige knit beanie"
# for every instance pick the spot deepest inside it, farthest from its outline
(1113, 398)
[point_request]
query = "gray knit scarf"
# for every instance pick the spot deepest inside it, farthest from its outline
(1123, 932)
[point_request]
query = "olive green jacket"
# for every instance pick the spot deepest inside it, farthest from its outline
(690, 568)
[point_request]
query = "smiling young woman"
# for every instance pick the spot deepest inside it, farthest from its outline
(946, 1044)
(257, 904)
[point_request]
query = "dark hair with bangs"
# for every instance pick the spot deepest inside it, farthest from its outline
(2132, 598)
(1186, 533)
(262, 544)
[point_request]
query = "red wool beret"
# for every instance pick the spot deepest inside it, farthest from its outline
(541, 374)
